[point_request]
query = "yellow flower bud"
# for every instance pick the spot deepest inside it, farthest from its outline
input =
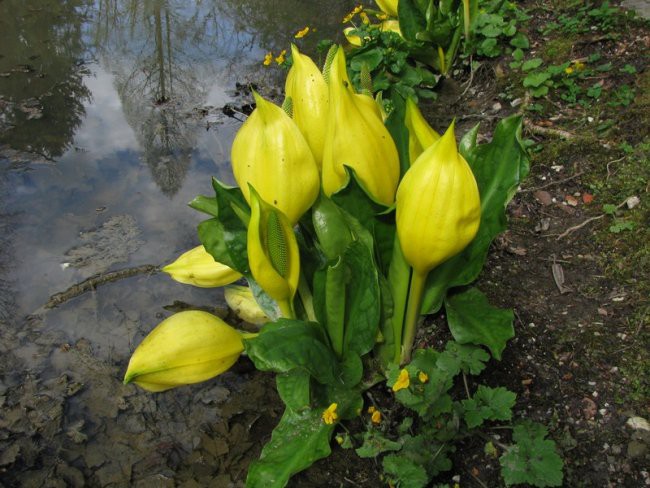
(310, 101)
(438, 206)
(421, 135)
(197, 267)
(270, 153)
(356, 137)
(403, 381)
(241, 301)
(188, 347)
(388, 6)
(352, 38)
(329, 415)
(273, 254)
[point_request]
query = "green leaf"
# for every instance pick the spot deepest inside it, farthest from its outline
(536, 79)
(375, 444)
(297, 442)
(520, 40)
(347, 299)
(531, 64)
(473, 320)
(518, 54)
(466, 358)
(370, 57)
(532, 459)
(224, 236)
(488, 404)
(498, 167)
(404, 472)
(411, 19)
(286, 345)
(293, 388)
(540, 91)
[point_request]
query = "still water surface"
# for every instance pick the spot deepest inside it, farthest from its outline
(111, 121)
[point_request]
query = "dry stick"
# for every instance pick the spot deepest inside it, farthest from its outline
(580, 226)
(553, 183)
(611, 162)
(93, 282)
(546, 131)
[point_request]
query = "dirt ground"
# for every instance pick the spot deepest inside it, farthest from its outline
(578, 284)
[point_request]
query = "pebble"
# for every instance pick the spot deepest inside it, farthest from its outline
(638, 423)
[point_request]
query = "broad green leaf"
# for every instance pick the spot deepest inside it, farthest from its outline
(370, 57)
(499, 167)
(347, 300)
(224, 236)
(297, 442)
(349, 401)
(377, 219)
(520, 41)
(473, 320)
(330, 227)
(286, 345)
(531, 64)
(398, 131)
(293, 388)
(411, 19)
(351, 369)
(536, 79)
(533, 459)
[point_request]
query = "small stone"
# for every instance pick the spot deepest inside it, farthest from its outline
(636, 450)
(638, 423)
(632, 202)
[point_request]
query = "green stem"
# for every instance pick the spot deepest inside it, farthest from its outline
(399, 275)
(286, 308)
(307, 298)
(418, 280)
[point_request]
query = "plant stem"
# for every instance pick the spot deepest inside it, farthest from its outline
(416, 289)
(306, 297)
(286, 308)
(399, 276)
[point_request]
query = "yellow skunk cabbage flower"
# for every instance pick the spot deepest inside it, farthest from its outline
(391, 26)
(421, 135)
(353, 39)
(273, 252)
(188, 347)
(388, 6)
(197, 267)
(241, 301)
(356, 137)
(270, 153)
(310, 101)
(438, 206)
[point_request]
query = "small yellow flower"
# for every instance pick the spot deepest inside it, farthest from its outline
(364, 18)
(376, 417)
(339, 439)
(381, 16)
(579, 65)
(268, 59)
(280, 59)
(423, 377)
(302, 33)
(568, 70)
(329, 415)
(371, 409)
(351, 15)
(403, 381)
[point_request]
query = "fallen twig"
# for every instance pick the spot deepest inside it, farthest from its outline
(580, 226)
(547, 131)
(94, 281)
(609, 173)
(553, 183)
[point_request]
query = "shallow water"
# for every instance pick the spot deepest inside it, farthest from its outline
(111, 121)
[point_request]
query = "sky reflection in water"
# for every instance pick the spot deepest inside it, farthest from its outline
(104, 92)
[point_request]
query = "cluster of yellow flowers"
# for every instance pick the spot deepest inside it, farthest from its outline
(279, 59)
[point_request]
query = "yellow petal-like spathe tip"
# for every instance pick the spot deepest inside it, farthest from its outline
(270, 153)
(310, 101)
(188, 347)
(240, 299)
(197, 267)
(356, 137)
(421, 134)
(388, 6)
(438, 206)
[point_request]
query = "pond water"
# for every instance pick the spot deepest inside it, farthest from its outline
(112, 119)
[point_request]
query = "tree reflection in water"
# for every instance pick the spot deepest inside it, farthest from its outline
(42, 94)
